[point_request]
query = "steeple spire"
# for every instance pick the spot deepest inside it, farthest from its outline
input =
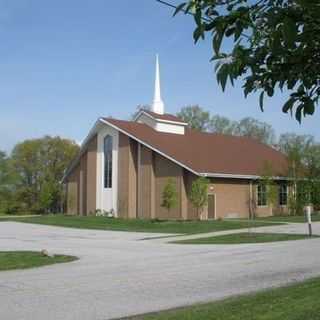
(157, 104)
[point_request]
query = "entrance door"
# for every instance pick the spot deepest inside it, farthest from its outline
(211, 206)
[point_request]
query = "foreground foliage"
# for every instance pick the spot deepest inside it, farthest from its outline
(275, 44)
(296, 302)
(10, 260)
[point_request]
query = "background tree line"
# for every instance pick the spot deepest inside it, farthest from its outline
(199, 119)
(272, 45)
(30, 176)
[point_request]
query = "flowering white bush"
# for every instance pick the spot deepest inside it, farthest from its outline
(100, 213)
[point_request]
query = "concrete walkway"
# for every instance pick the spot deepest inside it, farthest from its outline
(119, 275)
(290, 228)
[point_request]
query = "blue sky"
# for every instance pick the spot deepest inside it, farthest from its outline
(65, 63)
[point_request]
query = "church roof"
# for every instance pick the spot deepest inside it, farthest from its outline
(208, 153)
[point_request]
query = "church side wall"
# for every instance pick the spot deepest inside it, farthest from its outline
(165, 170)
(127, 177)
(81, 183)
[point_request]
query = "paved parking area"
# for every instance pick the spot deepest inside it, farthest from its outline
(118, 274)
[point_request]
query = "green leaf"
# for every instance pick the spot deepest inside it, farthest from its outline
(223, 77)
(217, 39)
(179, 8)
(270, 91)
(261, 101)
(309, 107)
(299, 113)
(230, 32)
(288, 105)
(197, 17)
(198, 32)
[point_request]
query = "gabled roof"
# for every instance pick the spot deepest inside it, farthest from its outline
(208, 153)
(166, 117)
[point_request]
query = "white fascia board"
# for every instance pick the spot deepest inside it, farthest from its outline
(148, 146)
(138, 115)
(159, 120)
(172, 122)
(91, 133)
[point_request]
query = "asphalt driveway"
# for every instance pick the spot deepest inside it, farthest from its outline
(119, 274)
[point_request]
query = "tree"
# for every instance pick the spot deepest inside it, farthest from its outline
(275, 44)
(199, 119)
(312, 161)
(169, 195)
(195, 116)
(223, 125)
(7, 180)
(303, 155)
(199, 194)
(298, 150)
(39, 165)
(252, 128)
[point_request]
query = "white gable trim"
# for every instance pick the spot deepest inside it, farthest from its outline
(158, 119)
(148, 146)
(91, 133)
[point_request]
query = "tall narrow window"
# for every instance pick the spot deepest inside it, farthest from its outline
(108, 162)
(262, 195)
(283, 195)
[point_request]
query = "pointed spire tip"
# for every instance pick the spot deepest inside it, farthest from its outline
(157, 105)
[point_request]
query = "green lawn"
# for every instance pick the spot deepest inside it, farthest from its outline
(245, 237)
(298, 219)
(138, 225)
(297, 302)
(10, 260)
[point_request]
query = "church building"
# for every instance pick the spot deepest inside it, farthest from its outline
(123, 167)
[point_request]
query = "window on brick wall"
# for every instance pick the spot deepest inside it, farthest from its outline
(283, 194)
(262, 195)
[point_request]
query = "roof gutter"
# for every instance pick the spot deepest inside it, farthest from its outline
(239, 176)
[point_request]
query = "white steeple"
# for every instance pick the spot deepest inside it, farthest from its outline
(157, 104)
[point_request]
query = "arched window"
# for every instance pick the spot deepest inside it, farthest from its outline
(107, 147)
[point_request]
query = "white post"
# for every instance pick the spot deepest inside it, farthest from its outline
(308, 214)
